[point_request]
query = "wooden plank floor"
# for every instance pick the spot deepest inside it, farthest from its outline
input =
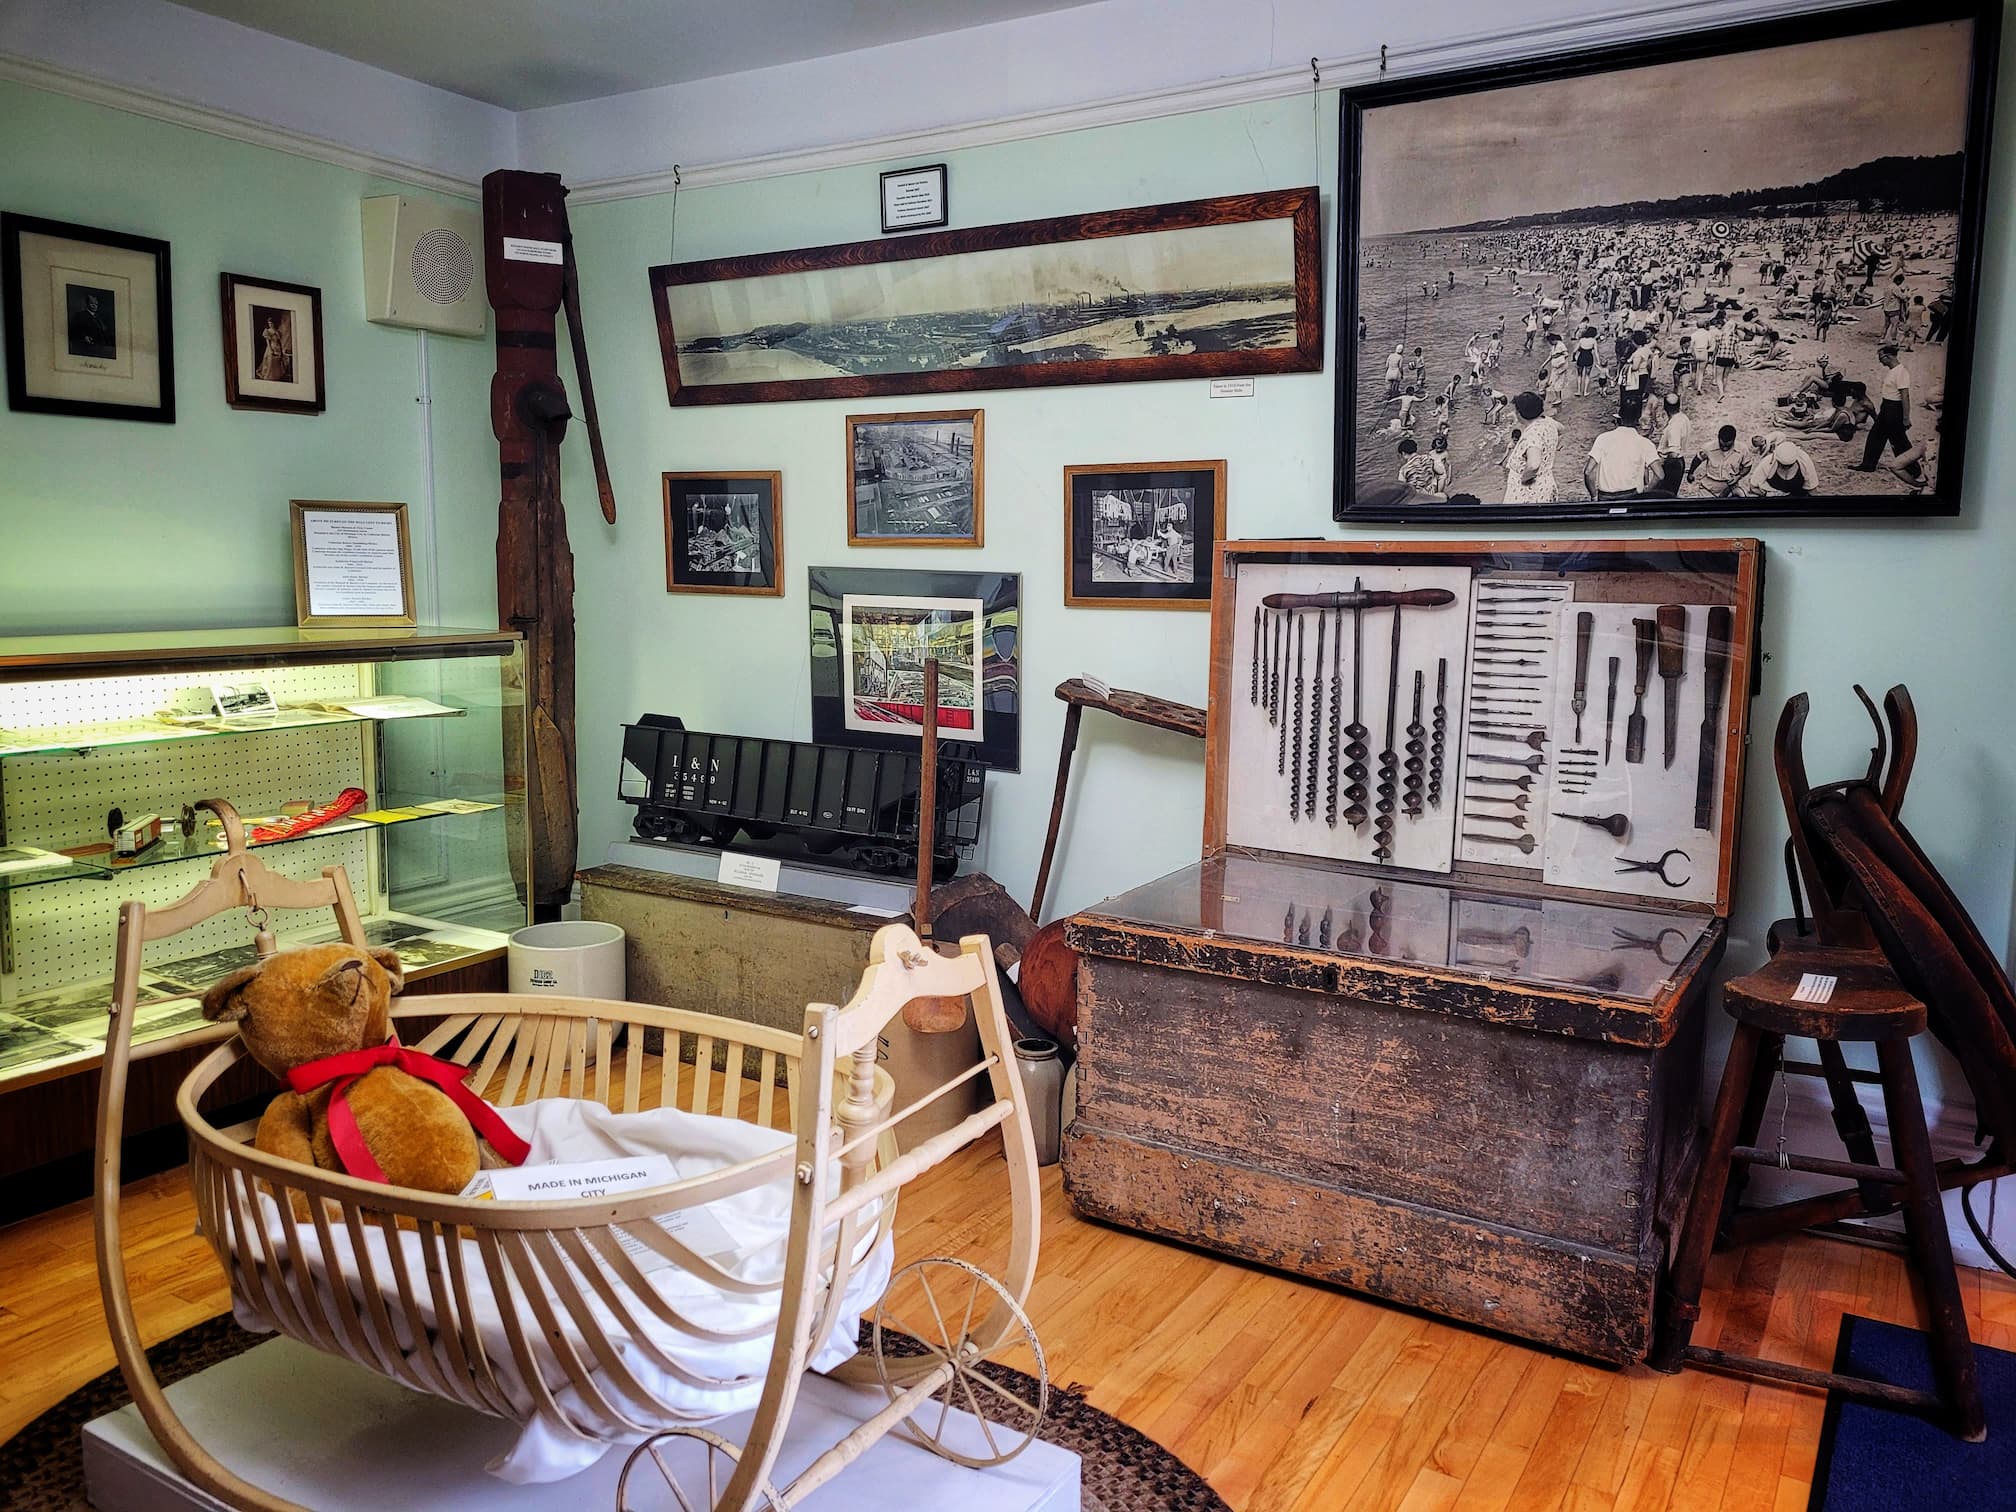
(1286, 1395)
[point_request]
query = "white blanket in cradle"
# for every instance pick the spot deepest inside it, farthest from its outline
(565, 1129)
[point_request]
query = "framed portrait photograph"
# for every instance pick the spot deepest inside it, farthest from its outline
(272, 345)
(872, 631)
(1205, 288)
(724, 533)
(913, 199)
(917, 479)
(1641, 282)
(89, 321)
(353, 565)
(1140, 535)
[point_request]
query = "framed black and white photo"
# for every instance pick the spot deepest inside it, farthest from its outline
(1140, 535)
(724, 533)
(89, 321)
(916, 479)
(913, 199)
(1730, 272)
(872, 631)
(272, 345)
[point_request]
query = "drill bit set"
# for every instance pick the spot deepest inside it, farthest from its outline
(1516, 628)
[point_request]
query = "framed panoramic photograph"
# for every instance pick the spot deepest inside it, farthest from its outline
(353, 565)
(1140, 535)
(724, 533)
(916, 479)
(873, 630)
(272, 345)
(1206, 288)
(1640, 282)
(89, 321)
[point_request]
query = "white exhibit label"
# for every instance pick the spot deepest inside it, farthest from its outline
(1813, 988)
(757, 872)
(1231, 388)
(522, 249)
(353, 563)
(913, 199)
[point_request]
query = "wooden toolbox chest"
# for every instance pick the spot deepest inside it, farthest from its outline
(1414, 1055)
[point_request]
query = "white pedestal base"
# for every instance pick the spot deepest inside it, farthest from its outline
(331, 1435)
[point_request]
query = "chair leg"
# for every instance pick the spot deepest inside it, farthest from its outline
(1756, 1102)
(1931, 1249)
(1682, 1300)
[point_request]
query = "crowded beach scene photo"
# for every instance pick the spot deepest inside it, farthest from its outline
(1721, 278)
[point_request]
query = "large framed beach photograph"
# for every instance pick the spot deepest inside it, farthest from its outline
(1205, 288)
(1731, 272)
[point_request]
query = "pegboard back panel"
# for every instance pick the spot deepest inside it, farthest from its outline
(95, 700)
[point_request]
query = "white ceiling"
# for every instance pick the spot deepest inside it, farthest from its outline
(524, 54)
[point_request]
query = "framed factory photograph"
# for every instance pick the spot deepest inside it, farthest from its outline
(353, 565)
(1206, 288)
(272, 345)
(88, 319)
(1140, 535)
(724, 533)
(1641, 282)
(916, 479)
(872, 631)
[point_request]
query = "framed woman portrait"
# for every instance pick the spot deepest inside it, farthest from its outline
(272, 345)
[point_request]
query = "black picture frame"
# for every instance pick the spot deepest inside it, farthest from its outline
(999, 595)
(748, 502)
(13, 227)
(944, 217)
(1139, 571)
(1360, 362)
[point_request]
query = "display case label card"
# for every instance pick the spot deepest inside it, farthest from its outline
(1231, 388)
(1813, 988)
(757, 872)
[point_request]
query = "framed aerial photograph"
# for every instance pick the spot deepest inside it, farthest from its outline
(917, 479)
(724, 533)
(1140, 535)
(872, 631)
(272, 345)
(1206, 288)
(89, 321)
(1641, 282)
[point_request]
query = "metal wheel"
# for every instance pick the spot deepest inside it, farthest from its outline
(692, 1490)
(939, 1302)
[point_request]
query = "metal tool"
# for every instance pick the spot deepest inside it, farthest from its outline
(1360, 597)
(1654, 944)
(1578, 751)
(1295, 760)
(1438, 732)
(1517, 821)
(1513, 782)
(1714, 674)
(1634, 726)
(1609, 710)
(1388, 789)
(1336, 718)
(1503, 661)
(1529, 723)
(1519, 941)
(1315, 725)
(1355, 732)
(1417, 758)
(1302, 930)
(1585, 627)
(1525, 843)
(1274, 676)
(1523, 642)
(1280, 714)
(1288, 926)
(1323, 928)
(1524, 677)
(1498, 622)
(1253, 681)
(1659, 867)
(1672, 623)
(1526, 694)
(1537, 598)
(1537, 740)
(1612, 824)
(1531, 763)
(1517, 800)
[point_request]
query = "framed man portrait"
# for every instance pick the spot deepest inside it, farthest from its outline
(89, 321)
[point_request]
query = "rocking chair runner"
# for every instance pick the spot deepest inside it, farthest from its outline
(397, 1266)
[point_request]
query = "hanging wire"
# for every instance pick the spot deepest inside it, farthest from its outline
(1315, 121)
(672, 249)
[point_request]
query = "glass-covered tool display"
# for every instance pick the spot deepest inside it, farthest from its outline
(390, 753)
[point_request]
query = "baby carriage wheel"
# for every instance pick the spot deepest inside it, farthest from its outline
(691, 1489)
(939, 1303)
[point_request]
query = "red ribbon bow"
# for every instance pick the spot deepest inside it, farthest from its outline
(344, 1069)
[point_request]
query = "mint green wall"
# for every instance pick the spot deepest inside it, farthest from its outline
(108, 525)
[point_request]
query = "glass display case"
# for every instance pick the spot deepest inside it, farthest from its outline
(399, 746)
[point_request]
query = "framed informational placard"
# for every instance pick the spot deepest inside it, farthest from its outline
(353, 564)
(913, 199)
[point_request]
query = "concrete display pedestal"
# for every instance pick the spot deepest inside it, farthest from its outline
(331, 1435)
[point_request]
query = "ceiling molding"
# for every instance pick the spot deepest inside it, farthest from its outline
(17, 69)
(1627, 22)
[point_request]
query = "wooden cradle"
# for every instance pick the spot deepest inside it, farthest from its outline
(839, 1106)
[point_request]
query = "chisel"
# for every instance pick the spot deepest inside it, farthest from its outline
(1634, 726)
(1609, 710)
(1585, 626)
(1672, 624)
(1714, 673)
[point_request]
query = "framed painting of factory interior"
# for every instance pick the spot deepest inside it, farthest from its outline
(915, 480)
(1639, 282)
(872, 631)
(272, 345)
(1140, 535)
(724, 533)
(1206, 288)
(90, 328)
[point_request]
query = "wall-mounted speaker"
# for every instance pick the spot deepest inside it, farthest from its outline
(423, 265)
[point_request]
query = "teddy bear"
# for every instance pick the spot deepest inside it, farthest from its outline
(298, 1008)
